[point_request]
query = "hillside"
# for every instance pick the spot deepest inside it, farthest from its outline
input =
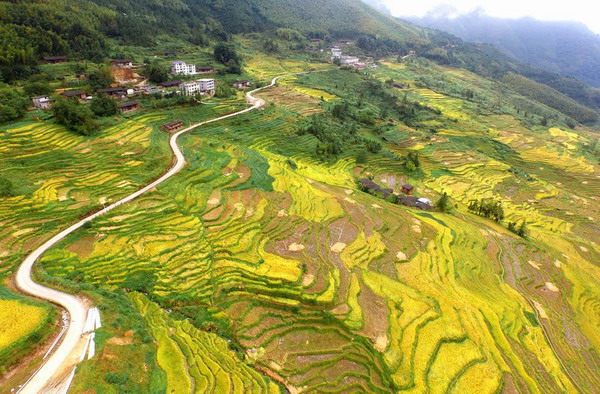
(566, 48)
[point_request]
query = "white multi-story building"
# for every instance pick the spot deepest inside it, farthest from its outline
(200, 86)
(180, 67)
(206, 85)
(336, 53)
(190, 88)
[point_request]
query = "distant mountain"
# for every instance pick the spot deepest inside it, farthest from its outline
(567, 48)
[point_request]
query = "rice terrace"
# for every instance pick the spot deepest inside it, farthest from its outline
(322, 210)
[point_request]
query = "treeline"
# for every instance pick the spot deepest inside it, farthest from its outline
(493, 209)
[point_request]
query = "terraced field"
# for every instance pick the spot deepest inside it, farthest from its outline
(260, 267)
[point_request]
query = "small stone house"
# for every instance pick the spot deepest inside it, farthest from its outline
(128, 106)
(172, 126)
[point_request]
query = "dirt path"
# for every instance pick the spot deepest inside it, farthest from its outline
(61, 363)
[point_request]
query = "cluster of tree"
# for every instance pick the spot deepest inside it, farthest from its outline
(12, 105)
(224, 90)
(270, 46)
(6, 187)
(103, 105)
(593, 148)
(409, 112)
(488, 208)
(226, 54)
(289, 34)
(156, 72)
(74, 116)
(444, 204)
(521, 230)
(381, 47)
(411, 161)
(100, 78)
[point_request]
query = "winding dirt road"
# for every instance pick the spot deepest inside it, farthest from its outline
(68, 354)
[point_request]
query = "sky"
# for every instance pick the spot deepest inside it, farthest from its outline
(585, 11)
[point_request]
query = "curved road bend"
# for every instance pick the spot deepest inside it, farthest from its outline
(76, 307)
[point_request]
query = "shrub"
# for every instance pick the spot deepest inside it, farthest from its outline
(74, 116)
(103, 105)
(6, 187)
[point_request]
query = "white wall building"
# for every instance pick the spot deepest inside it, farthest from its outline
(42, 102)
(190, 88)
(180, 67)
(335, 53)
(206, 85)
(349, 60)
(198, 87)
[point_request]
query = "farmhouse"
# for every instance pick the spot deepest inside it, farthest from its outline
(122, 63)
(190, 88)
(171, 84)
(128, 106)
(79, 94)
(241, 84)
(349, 60)
(172, 126)
(117, 93)
(369, 185)
(204, 70)
(399, 85)
(408, 189)
(180, 67)
(41, 102)
(54, 59)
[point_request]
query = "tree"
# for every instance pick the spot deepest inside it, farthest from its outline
(37, 89)
(224, 91)
(227, 55)
(522, 231)
(103, 105)
(73, 115)
(101, 78)
(443, 204)
(270, 46)
(156, 73)
(12, 105)
(6, 187)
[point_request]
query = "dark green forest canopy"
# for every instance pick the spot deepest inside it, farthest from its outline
(88, 30)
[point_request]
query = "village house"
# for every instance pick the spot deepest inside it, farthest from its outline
(149, 89)
(122, 63)
(242, 84)
(408, 189)
(190, 88)
(172, 126)
(181, 67)
(336, 53)
(79, 94)
(207, 85)
(399, 85)
(370, 186)
(204, 70)
(128, 106)
(118, 93)
(41, 102)
(349, 60)
(171, 84)
(54, 59)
